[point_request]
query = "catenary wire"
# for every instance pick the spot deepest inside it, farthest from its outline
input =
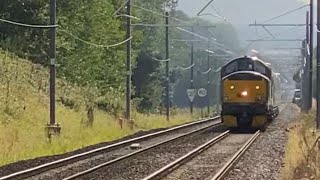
(27, 25)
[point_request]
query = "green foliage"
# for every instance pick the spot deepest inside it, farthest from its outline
(97, 70)
(92, 74)
(148, 76)
(85, 64)
(147, 80)
(26, 42)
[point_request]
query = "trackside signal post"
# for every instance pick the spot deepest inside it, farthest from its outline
(52, 128)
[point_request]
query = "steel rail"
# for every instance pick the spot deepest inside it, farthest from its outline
(227, 167)
(174, 165)
(58, 163)
(83, 173)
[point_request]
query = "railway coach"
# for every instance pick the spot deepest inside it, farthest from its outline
(248, 93)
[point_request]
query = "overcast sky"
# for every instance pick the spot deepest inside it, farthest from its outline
(241, 13)
(246, 11)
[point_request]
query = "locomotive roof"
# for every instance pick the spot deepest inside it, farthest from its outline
(252, 59)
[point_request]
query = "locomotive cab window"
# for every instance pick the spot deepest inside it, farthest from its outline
(230, 68)
(245, 65)
(262, 68)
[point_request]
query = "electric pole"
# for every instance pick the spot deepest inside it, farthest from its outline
(310, 58)
(52, 61)
(217, 84)
(208, 80)
(318, 67)
(167, 67)
(128, 64)
(191, 71)
(306, 75)
(52, 128)
(304, 79)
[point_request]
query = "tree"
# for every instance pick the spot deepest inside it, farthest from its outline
(147, 78)
(84, 62)
(31, 43)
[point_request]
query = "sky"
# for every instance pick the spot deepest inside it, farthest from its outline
(241, 13)
(246, 11)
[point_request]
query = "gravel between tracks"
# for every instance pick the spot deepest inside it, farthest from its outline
(143, 164)
(263, 160)
(73, 168)
(204, 165)
(25, 164)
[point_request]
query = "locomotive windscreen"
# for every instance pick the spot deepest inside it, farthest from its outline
(245, 64)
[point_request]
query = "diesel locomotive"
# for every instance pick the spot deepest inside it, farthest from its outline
(248, 89)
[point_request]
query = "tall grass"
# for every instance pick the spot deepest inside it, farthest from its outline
(301, 161)
(24, 113)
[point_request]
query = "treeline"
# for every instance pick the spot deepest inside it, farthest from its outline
(87, 27)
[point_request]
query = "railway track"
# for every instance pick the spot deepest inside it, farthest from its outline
(227, 167)
(80, 163)
(142, 162)
(211, 157)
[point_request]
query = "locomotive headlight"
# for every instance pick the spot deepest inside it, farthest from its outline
(257, 87)
(226, 98)
(231, 87)
(244, 93)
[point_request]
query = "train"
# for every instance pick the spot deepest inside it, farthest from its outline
(248, 93)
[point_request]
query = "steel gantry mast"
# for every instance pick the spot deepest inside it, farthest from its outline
(307, 101)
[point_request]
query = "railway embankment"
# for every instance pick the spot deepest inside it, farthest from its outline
(302, 158)
(24, 97)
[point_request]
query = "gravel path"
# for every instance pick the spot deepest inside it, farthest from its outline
(263, 160)
(25, 164)
(60, 173)
(144, 164)
(206, 164)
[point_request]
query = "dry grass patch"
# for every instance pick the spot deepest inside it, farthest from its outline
(302, 158)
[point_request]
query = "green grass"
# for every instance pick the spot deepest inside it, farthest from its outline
(24, 113)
